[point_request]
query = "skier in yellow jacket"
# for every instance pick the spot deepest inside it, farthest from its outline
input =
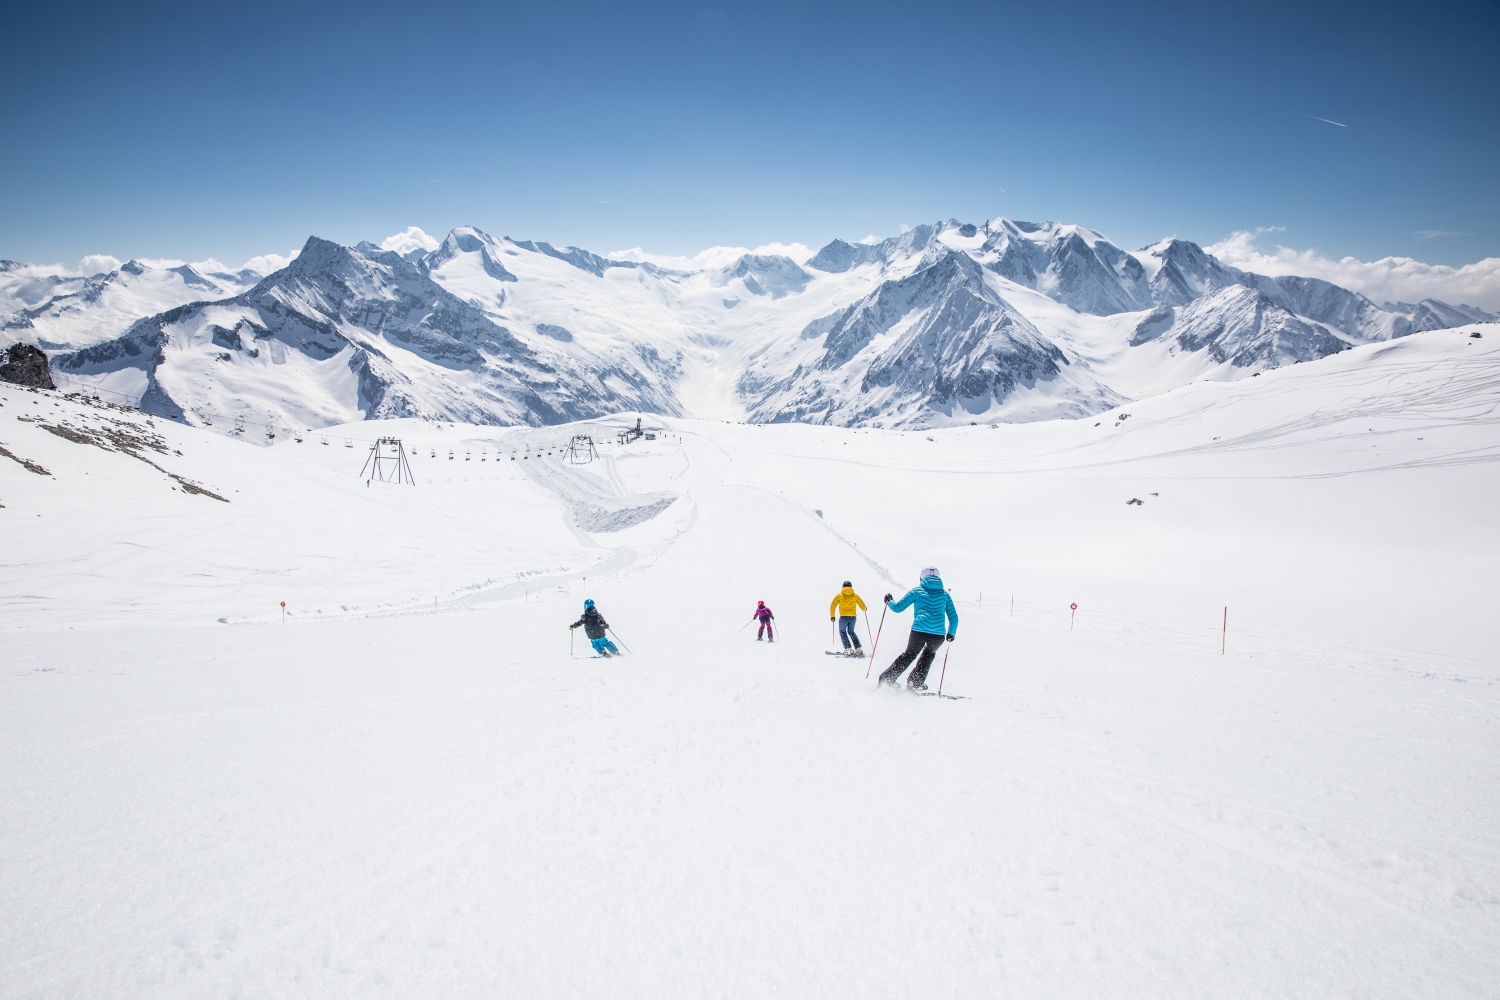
(847, 604)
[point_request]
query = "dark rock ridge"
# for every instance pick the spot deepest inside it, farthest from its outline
(25, 365)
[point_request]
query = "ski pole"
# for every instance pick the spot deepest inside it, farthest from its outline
(619, 640)
(570, 641)
(745, 626)
(874, 645)
(944, 672)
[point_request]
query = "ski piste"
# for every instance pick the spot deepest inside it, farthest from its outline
(449, 725)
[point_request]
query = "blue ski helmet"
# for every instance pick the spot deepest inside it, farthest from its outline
(589, 603)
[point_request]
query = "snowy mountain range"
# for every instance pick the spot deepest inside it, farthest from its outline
(943, 324)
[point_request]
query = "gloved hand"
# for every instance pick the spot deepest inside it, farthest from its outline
(830, 617)
(572, 627)
(887, 598)
(950, 636)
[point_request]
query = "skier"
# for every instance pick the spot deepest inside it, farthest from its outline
(935, 620)
(848, 604)
(764, 616)
(594, 626)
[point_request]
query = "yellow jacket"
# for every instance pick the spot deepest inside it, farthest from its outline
(844, 602)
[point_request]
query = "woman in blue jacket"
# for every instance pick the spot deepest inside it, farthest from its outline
(935, 620)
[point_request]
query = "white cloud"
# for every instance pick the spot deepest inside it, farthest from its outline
(263, 264)
(266, 263)
(98, 263)
(1390, 279)
(409, 239)
(713, 256)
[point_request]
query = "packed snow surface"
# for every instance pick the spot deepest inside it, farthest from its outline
(415, 785)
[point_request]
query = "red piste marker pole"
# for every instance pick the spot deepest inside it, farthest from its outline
(1224, 635)
(1072, 612)
(283, 612)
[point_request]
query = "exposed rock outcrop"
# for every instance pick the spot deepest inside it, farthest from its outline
(22, 364)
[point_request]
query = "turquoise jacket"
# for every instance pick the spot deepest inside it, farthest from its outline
(935, 612)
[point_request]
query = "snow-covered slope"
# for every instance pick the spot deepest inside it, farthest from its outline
(1431, 314)
(946, 323)
(1183, 273)
(1073, 265)
(389, 796)
(940, 340)
(57, 312)
(341, 333)
(1239, 327)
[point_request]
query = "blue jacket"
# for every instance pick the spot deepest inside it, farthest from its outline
(934, 608)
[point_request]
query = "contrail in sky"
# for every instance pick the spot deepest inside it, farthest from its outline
(1328, 120)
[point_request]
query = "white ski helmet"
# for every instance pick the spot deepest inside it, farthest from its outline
(930, 571)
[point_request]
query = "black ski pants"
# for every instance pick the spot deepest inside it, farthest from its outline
(922, 647)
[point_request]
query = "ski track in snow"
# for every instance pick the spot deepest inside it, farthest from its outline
(392, 802)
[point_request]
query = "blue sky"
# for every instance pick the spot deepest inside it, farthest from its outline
(229, 131)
